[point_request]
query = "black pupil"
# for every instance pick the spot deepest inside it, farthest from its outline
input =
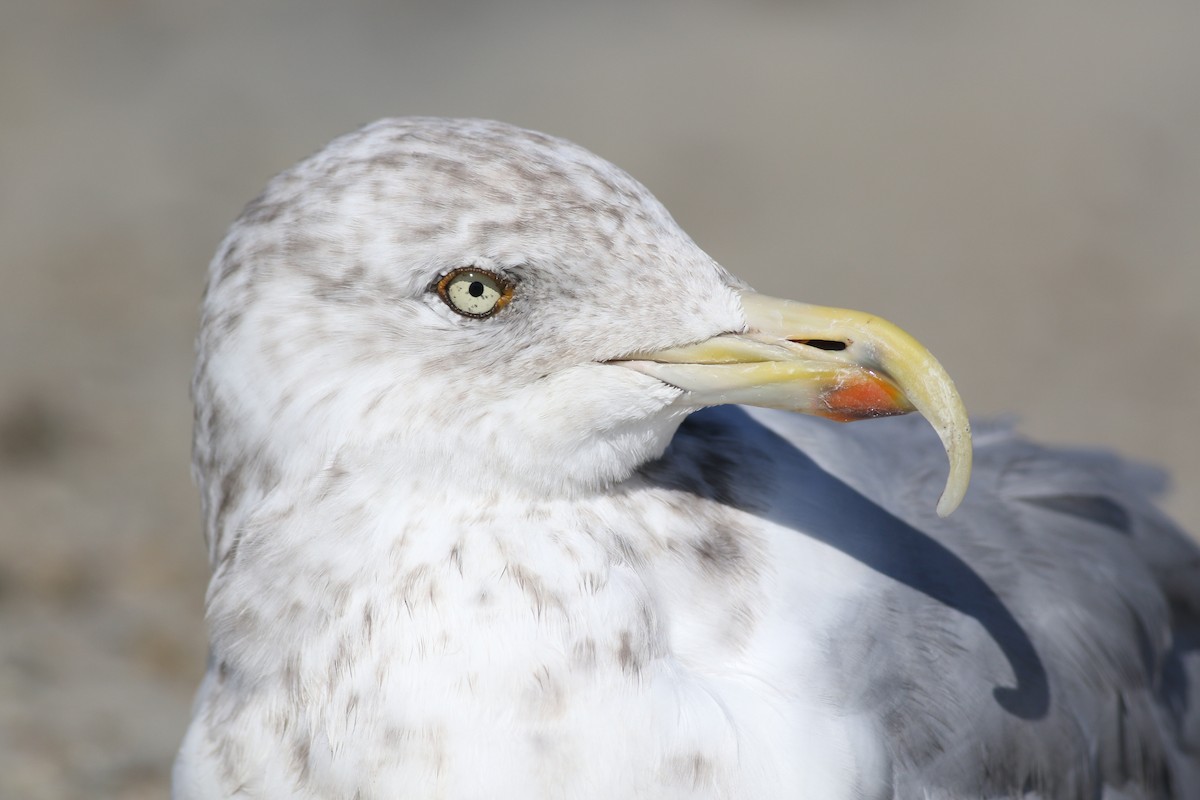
(476, 288)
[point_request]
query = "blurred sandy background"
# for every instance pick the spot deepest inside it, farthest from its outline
(1018, 183)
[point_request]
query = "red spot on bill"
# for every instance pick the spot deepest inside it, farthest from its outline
(865, 397)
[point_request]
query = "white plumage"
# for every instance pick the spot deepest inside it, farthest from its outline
(486, 556)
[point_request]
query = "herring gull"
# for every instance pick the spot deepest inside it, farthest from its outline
(506, 497)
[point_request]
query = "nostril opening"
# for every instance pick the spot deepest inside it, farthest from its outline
(822, 344)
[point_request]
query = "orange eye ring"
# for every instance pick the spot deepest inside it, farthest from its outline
(475, 292)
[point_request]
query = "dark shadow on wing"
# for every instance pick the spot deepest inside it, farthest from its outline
(820, 506)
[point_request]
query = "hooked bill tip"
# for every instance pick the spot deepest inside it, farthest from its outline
(957, 441)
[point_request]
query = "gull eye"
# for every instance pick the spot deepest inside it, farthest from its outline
(474, 292)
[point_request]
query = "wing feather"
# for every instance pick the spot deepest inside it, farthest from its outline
(1058, 584)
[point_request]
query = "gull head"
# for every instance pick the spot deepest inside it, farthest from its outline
(457, 303)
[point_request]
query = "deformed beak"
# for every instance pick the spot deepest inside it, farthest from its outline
(832, 362)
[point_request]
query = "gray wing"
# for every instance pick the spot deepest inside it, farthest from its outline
(1043, 641)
